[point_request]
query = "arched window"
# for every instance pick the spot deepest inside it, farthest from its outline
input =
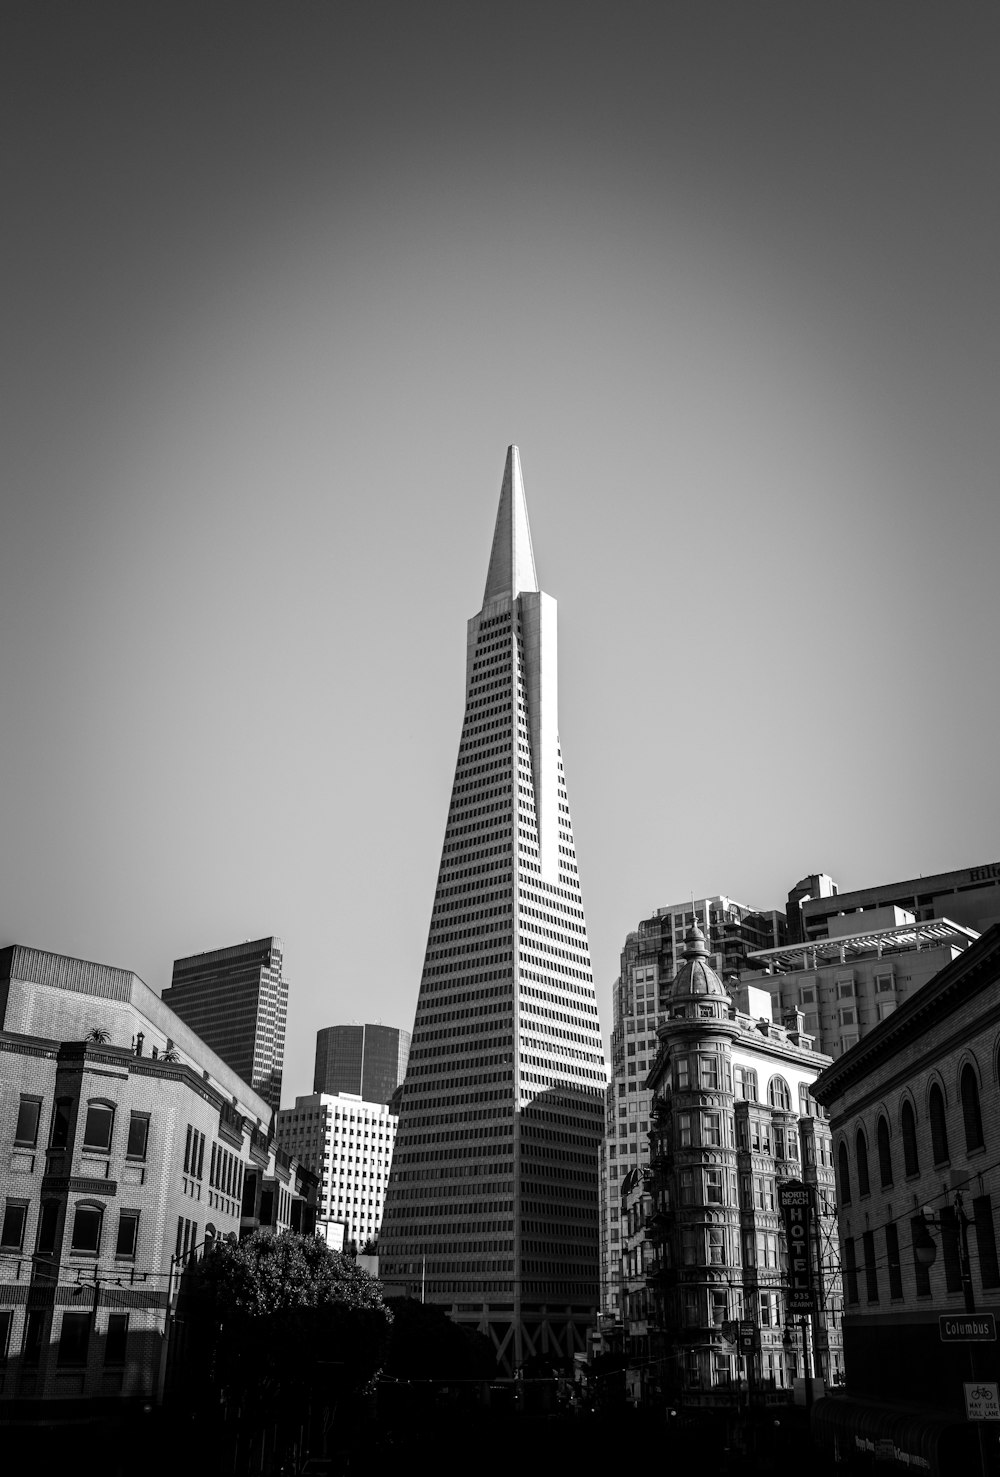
(861, 1148)
(844, 1175)
(971, 1114)
(779, 1094)
(884, 1154)
(939, 1125)
(908, 1123)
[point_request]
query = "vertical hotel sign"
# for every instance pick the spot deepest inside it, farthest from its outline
(796, 1202)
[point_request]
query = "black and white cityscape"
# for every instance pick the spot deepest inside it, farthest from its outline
(409, 1065)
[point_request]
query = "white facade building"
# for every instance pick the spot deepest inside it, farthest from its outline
(348, 1144)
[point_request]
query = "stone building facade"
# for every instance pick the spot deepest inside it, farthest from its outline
(732, 1119)
(125, 1146)
(650, 958)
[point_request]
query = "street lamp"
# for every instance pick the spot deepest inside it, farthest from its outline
(925, 1247)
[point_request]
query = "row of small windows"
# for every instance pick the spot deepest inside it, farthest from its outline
(98, 1129)
(713, 1072)
(74, 1338)
(950, 1231)
(972, 1122)
(88, 1225)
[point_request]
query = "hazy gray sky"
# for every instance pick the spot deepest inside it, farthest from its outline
(281, 282)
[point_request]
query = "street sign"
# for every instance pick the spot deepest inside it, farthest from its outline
(982, 1400)
(749, 1337)
(967, 1328)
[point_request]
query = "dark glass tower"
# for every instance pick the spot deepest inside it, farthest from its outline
(492, 1208)
(368, 1060)
(236, 999)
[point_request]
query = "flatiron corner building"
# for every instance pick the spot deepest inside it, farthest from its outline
(492, 1206)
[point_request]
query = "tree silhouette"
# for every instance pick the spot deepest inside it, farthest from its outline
(295, 1320)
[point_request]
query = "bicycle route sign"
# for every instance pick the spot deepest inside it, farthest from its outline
(982, 1400)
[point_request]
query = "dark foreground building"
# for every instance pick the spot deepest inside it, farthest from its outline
(492, 1207)
(915, 1114)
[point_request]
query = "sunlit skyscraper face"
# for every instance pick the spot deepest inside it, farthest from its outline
(492, 1207)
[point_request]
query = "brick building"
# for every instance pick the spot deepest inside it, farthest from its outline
(915, 1114)
(125, 1145)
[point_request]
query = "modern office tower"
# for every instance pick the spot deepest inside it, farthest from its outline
(970, 895)
(649, 961)
(236, 1000)
(493, 1198)
(348, 1144)
(367, 1060)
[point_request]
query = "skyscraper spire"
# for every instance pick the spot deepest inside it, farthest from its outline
(492, 1207)
(512, 563)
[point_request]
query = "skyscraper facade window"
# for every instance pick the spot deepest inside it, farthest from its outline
(369, 1060)
(492, 1207)
(236, 1000)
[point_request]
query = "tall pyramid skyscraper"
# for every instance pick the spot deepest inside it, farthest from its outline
(492, 1206)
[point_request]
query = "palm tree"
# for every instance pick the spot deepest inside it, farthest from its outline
(99, 1036)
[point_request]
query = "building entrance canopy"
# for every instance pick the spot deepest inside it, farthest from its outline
(933, 1442)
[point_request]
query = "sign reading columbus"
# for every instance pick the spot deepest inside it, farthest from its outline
(796, 1203)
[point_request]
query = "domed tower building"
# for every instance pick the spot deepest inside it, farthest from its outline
(732, 1119)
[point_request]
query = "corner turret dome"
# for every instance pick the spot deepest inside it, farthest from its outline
(696, 980)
